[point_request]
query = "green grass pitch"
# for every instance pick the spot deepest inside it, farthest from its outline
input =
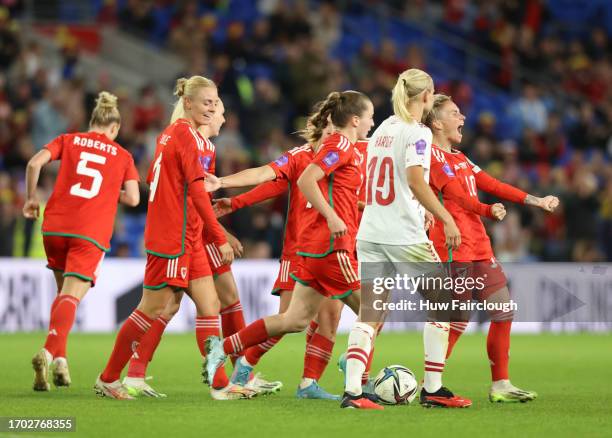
(571, 373)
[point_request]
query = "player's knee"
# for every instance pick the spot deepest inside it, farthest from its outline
(170, 310)
(296, 325)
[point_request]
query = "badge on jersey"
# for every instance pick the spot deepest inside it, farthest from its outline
(282, 160)
(447, 170)
(420, 145)
(205, 162)
(331, 158)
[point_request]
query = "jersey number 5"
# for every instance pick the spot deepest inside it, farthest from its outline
(82, 169)
(385, 178)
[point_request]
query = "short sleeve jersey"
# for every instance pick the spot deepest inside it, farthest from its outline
(290, 166)
(475, 243)
(393, 215)
(362, 147)
(341, 162)
(175, 166)
(84, 201)
(206, 158)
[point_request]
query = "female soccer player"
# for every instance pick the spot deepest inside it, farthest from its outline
(392, 231)
(448, 165)
(176, 259)
(207, 307)
(327, 227)
(276, 178)
(78, 221)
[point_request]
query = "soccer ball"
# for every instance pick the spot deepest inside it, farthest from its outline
(395, 385)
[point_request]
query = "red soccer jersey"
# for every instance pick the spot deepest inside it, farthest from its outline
(84, 201)
(206, 157)
(362, 147)
(176, 165)
(341, 162)
(290, 166)
(475, 243)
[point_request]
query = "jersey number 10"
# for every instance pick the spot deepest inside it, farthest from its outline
(385, 178)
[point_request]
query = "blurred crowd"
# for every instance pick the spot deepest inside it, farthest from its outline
(554, 136)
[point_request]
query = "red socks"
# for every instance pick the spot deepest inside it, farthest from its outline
(207, 326)
(232, 321)
(366, 374)
(251, 335)
(131, 331)
(456, 330)
(318, 354)
(312, 328)
(148, 344)
(63, 313)
(253, 354)
(498, 348)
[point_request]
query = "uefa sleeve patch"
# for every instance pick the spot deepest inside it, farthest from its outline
(282, 160)
(421, 145)
(331, 158)
(205, 162)
(447, 170)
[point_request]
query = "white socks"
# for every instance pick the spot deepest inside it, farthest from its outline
(306, 382)
(359, 346)
(435, 341)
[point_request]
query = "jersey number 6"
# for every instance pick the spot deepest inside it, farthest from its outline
(82, 169)
(385, 176)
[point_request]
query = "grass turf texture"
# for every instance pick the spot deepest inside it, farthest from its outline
(570, 373)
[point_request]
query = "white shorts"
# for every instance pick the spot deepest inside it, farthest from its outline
(377, 259)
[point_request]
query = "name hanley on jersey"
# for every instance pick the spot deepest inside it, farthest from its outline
(95, 144)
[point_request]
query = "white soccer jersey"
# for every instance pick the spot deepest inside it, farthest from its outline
(392, 215)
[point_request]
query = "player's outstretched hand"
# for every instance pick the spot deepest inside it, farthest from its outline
(337, 227)
(429, 220)
(453, 236)
(212, 183)
(227, 253)
(236, 245)
(31, 209)
(498, 211)
(548, 203)
(222, 206)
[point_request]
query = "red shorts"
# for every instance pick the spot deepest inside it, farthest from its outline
(162, 272)
(74, 257)
(334, 276)
(487, 273)
(214, 256)
(284, 281)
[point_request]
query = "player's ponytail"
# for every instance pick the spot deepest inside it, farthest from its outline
(439, 101)
(187, 87)
(410, 83)
(338, 107)
(105, 112)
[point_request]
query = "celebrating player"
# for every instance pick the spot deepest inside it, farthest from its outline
(176, 259)
(327, 227)
(78, 221)
(449, 165)
(392, 230)
(281, 176)
(207, 307)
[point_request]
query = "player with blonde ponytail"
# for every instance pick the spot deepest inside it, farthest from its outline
(94, 173)
(392, 231)
(179, 209)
